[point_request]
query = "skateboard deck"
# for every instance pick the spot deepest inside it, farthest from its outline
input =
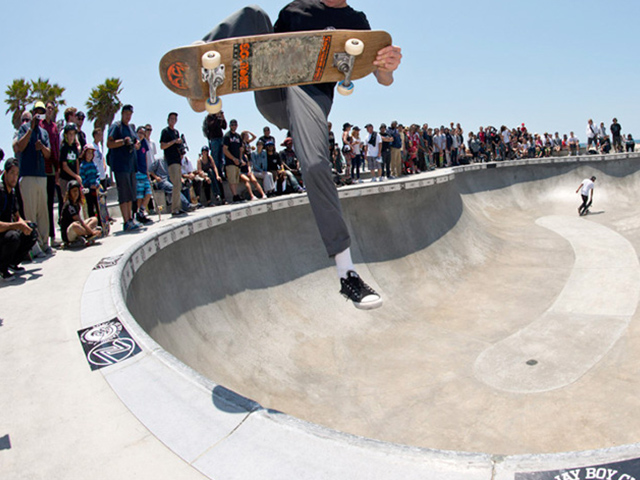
(260, 62)
(103, 211)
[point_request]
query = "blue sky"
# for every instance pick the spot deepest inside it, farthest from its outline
(550, 64)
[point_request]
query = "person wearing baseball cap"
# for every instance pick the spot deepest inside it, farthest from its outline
(32, 148)
(122, 143)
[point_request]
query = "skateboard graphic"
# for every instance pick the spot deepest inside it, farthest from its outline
(206, 71)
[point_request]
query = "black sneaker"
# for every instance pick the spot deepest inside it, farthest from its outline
(16, 268)
(6, 276)
(142, 218)
(361, 294)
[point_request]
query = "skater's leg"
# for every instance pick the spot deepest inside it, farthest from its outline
(308, 110)
(251, 20)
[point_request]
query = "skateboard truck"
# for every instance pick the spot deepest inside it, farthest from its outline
(213, 74)
(344, 63)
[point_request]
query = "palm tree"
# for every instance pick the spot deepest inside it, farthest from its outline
(17, 98)
(103, 103)
(47, 92)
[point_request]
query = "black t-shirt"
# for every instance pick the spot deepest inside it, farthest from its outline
(233, 143)
(69, 210)
(301, 15)
(615, 129)
(82, 138)
(267, 139)
(69, 154)
(273, 162)
(172, 154)
(213, 127)
(8, 203)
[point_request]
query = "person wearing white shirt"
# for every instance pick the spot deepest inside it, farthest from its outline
(574, 145)
(592, 134)
(98, 157)
(586, 190)
(153, 147)
(373, 146)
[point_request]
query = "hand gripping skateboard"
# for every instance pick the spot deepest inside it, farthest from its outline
(207, 71)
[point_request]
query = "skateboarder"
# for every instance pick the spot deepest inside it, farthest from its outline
(586, 190)
(304, 110)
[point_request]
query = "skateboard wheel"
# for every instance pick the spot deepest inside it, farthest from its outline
(214, 107)
(342, 90)
(211, 60)
(354, 47)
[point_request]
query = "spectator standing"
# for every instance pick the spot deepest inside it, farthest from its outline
(52, 169)
(347, 152)
(385, 152)
(122, 142)
(232, 150)
(98, 156)
(32, 148)
(373, 150)
(69, 157)
(143, 184)
(357, 147)
(153, 147)
(616, 134)
(213, 128)
(16, 236)
(171, 145)
(396, 151)
(90, 178)
(82, 137)
(592, 134)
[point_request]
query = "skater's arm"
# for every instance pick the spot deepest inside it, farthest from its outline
(387, 61)
(579, 187)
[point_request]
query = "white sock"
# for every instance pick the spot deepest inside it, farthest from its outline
(344, 263)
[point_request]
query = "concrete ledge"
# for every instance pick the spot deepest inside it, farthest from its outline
(226, 436)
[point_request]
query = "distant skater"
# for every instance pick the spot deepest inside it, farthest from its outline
(586, 190)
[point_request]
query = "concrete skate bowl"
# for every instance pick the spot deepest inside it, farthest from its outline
(509, 324)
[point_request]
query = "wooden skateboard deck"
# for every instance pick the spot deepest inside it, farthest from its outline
(262, 62)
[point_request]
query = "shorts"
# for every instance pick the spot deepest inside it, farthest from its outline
(373, 163)
(233, 174)
(126, 183)
(143, 186)
(72, 235)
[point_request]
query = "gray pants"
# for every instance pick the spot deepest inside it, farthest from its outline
(304, 111)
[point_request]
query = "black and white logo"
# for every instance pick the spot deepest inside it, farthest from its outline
(107, 344)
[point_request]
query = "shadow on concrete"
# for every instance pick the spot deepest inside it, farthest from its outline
(5, 443)
(229, 401)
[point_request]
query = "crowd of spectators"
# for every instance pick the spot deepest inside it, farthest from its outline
(397, 150)
(55, 161)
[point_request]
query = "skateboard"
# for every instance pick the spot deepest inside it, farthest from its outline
(103, 211)
(205, 71)
(585, 211)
